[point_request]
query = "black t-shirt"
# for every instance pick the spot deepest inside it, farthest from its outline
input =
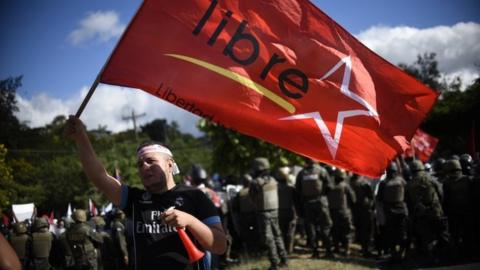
(156, 245)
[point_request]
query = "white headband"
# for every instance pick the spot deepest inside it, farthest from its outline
(156, 148)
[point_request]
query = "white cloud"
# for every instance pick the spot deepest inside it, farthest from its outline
(99, 26)
(106, 107)
(457, 47)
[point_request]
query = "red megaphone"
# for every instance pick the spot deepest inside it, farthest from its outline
(194, 254)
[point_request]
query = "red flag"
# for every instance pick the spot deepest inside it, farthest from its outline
(279, 70)
(52, 216)
(422, 145)
(5, 220)
(92, 207)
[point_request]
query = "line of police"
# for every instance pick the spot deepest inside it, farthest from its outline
(81, 245)
(428, 216)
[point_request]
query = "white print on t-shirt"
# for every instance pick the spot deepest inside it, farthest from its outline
(154, 228)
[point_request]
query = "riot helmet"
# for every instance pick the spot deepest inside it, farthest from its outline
(417, 166)
(260, 164)
(40, 223)
(20, 228)
(79, 215)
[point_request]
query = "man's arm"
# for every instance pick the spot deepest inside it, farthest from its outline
(92, 166)
(8, 257)
(211, 237)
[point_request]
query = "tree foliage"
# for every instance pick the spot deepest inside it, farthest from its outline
(234, 152)
(455, 115)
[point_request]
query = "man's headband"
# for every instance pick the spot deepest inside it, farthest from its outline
(156, 148)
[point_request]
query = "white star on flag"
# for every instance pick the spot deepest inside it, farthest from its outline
(333, 142)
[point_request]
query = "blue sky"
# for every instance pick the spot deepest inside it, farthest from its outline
(46, 42)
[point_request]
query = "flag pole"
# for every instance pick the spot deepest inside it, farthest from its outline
(97, 79)
(89, 94)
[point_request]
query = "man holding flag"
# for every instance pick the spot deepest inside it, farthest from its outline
(159, 211)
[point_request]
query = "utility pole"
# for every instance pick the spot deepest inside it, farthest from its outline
(134, 117)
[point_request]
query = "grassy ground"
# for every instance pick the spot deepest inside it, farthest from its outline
(300, 260)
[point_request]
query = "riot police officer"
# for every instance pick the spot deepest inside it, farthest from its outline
(244, 216)
(458, 205)
(391, 194)
(340, 198)
(21, 243)
(42, 244)
(286, 207)
(77, 244)
(312, 184)
(105, 257)
(363, 212)
(425, 210)
(120, 249)
(264, 193)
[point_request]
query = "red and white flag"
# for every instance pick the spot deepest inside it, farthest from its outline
(421, 146)
(92, 207)
(51, 217)
(279, 70)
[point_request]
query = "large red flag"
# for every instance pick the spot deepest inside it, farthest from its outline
(422, 145)
(279, 70)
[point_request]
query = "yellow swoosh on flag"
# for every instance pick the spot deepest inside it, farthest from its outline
(240, 79)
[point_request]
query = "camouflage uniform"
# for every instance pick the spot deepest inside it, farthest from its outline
(312, 184)
(42, 243)
(340, 198)
(286, 209)
(105, 249)
(264, 193)
(363, 211)
(21, 243)
(458, 205)
(77, 244)
(245, 218)
(120, 249)
(425, 209)
(391, 194)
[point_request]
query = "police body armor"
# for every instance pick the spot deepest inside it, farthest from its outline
(19, 244)
(285, 197)
(337, 197)
(424, 197)
(81, 247)
(245, 203)
(394, 191)
(361, 193)
(41, 244)
(312, 182)
(459, 189)
(266, 195)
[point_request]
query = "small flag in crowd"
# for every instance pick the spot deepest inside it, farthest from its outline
(92, 207)
(69, 211)
(421, 146)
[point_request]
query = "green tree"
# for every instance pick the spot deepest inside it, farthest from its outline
(456, 111)
(7, 184)
(453, 118)
(156, 130)
(233, 152)
(426, 70)
(9, 124)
